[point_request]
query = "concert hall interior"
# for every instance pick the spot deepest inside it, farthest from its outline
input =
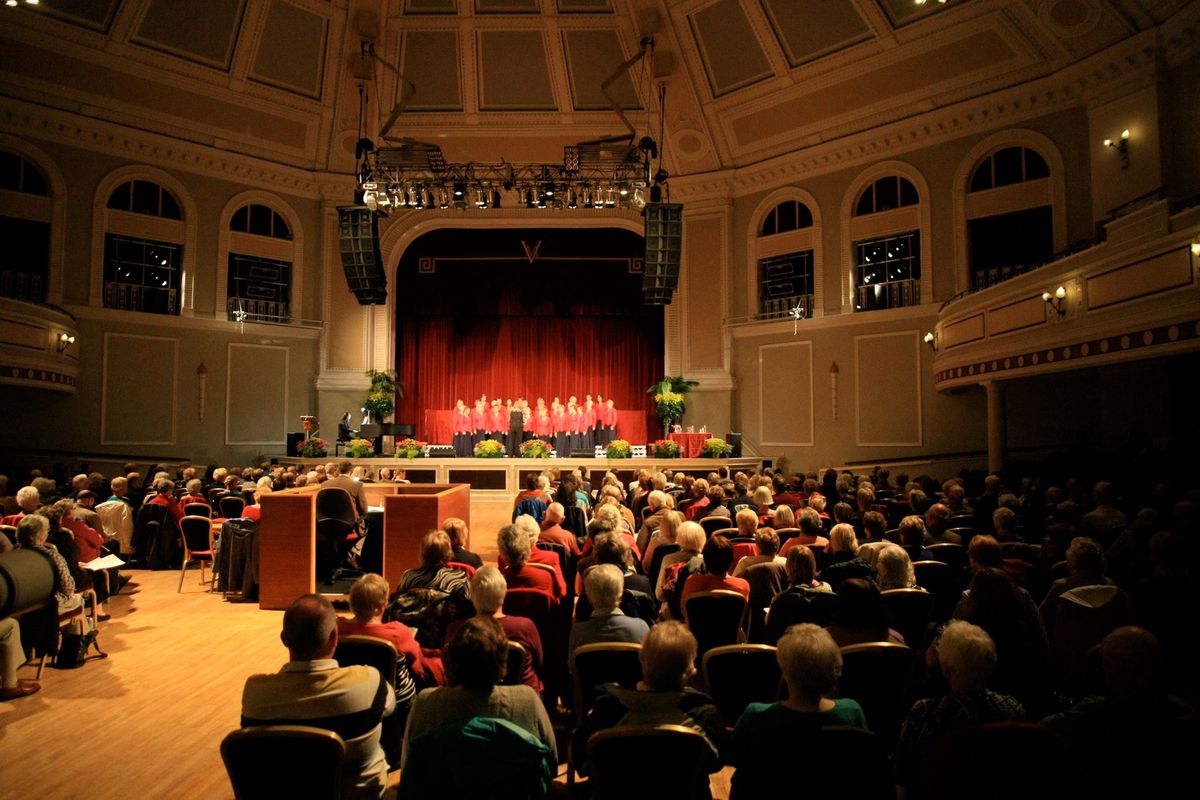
(943, 236)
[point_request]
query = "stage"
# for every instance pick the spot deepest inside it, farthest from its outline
(496, 476)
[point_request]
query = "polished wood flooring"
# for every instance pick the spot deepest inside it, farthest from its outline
(147, 721)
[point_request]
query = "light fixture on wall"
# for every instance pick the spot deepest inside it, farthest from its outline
(931, 340)
(14, 3)
(1055, 300)
(1121, 145)
(1196, 248)
(64, 341)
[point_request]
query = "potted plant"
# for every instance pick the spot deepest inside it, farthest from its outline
(360, 448)
(489, 448)
(665, 448)
(381, 397)
(315, 447)
(619, 448)
(669, 396)
(409, 448)
(714, 448)
(535, 448)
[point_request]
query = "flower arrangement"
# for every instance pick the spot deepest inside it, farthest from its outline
(665, 448)
(670, 407)
(715, 448)
(381, 397)
(535, 448)
(360, 448)
(619, 448)
(409, 448)
(315, 447)
(489, 448)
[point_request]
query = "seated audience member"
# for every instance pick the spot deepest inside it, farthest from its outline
(487, 593)
(666, 534)
(28, 501)
(937, 523)
(697, 499)
(658, 504)
(476, 658)
(811, 665)
(33, 532)
(254, 510)
(810, 532)
(1085, 561)
(1134, 721)
(715, 506)
(368, 601)
(816, 502)
(165, 496)
(764, 504)
(553, 532)
(529, 526)
(874, 525)
(637, 599)
(691, 539)
(607, 518)
(746, 522)
(766, 541)
(433, 572)
(12, 655)
(967, 657)
(1105, 521)
(956, 499)
(194, 493)
(798, 601)
(913, 537)
(984, 551)
(444, 597)
(457, 530)
(1003, 609)
(718, 560)
(1005, 522)
(514, 549)
(895, 569)
(608, 623)
(859, 616)
(783, 517)
(662, 697)
(841, 558)
(312, 689)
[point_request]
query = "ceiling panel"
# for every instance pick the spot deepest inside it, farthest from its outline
(902, 12)
(430, 61)
(732, 56)
(809, 29)
(584, 7)
(592, 56)
(291, 54)
(513, 74)
(430, 7)
(507, 7)
(203, 32)
(94, 14)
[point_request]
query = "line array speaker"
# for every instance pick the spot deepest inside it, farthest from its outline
(664, 243)
(358, 235)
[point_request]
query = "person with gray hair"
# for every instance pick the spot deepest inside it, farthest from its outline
(32, 532)
(811, 529)
(312, 689)
(487, 593)
(895, 568)
(1085, 562)
(552, 531)
(604, 584)
(966, 655)
(515, 549)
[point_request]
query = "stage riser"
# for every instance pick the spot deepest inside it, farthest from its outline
(500, 476)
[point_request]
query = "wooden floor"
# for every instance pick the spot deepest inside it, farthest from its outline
(147, 721)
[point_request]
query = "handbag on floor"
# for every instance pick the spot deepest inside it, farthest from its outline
(74, 647)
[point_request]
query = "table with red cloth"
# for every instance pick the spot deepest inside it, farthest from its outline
(690, 443)
(437, 426)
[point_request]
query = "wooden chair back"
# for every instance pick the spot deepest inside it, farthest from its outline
(284, 761)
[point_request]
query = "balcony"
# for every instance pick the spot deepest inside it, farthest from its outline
(38, 346)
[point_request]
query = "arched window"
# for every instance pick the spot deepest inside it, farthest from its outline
(887, 245)
(1010, 215)
(143, 249)
(25, 213)
(784, 253)
(259, 274)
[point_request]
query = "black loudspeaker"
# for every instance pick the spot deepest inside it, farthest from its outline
(735, 441)
(358, 233)
(441, 451)
(583, 453)
(293, 442)
(664, 243)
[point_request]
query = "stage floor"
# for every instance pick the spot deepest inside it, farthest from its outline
(506, 475)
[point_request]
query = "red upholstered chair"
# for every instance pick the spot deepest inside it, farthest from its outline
(743, 549)
(715, 618)
(196, 536)
(909, 611)
(461, 567)
(880, 676)
(284, 761)
(674, 771)
(231, 506)
(785, 534)
(593, 666)
(197, 510)
(739, 674)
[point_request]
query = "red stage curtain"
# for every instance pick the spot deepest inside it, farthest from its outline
(476, 320)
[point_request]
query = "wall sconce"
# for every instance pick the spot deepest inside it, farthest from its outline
(1121, 146)
(931, 340)
(1055, 300)
(1196, 249)
(64, 341)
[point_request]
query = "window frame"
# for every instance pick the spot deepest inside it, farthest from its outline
(250, 244)
(798, 240)
(51, 209)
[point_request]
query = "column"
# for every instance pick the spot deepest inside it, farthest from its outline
(997, 422)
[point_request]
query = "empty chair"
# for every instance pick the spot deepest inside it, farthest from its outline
(231, 506)
(737, 675)
(671, 762)
(284, 761)
(197, 539)
(197, 510)
(909, 612)
(880, 675)
(715, 618)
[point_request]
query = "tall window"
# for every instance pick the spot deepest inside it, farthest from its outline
(143, 272)
(259, 282)
(887, 262)
(784, 251)
(1010, 224)
(25, 212)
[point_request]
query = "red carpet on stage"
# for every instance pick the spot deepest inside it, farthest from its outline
(525, 313)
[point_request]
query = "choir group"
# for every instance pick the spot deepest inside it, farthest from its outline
(567, 427)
